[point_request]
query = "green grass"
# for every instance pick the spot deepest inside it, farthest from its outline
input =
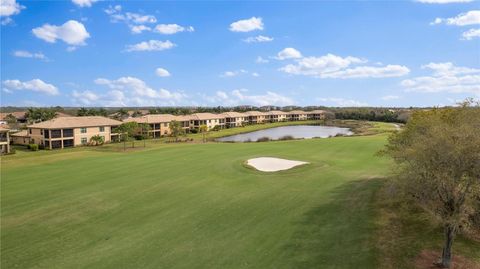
(197, 206)
(192, 206)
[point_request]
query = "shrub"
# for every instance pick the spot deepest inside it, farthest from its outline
(216, 128)
(264, 139)
(41, 146)
(286, 137)
(248, 140)
(13, 151)
(193, 131)
(33, 147)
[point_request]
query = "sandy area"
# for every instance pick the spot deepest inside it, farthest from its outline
(268, 164)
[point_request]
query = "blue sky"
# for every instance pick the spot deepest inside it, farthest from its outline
(149, 53)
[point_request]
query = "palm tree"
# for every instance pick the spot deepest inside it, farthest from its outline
(203, 129)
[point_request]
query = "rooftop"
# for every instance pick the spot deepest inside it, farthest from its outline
(75, 122)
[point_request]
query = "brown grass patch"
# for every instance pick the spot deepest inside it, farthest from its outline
(428, 259)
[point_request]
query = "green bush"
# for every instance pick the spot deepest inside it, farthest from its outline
(216, 128)
(33, 147)
(286, 137)
(264, 139)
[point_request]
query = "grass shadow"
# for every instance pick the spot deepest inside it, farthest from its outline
(339, 233)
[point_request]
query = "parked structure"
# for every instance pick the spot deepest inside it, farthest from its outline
(71, 131)
(4, 140)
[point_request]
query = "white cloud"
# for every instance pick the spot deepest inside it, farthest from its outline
(135, 92)
(9, 8)
(85, 97)
(255, 74)
(258, 39)
(241, 97)
(341, 102)
(151, 45)
(27, 54)
(162, 72)
(261, 60)
(468, 18)
(84, 3)
(390, 97)
(233, 73)
(333, 66)
(247, 25)
(72, 32)
(471, 34)
(443, 1)
(445, 77)
(169, 29)
(288, 53)
(36, 85)
(138, 29)
(113, 9)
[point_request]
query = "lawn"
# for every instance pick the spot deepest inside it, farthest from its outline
(194, 206)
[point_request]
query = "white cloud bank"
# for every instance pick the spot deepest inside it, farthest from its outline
(258, 39)
(333, 66)
(247, 25)
(471, 34)
(151, 45)
(468, 18)
(288, 53)
(162, 72)
(72, 32)
(241, 97)
(35, 85)
(84, 3)
(27, 54)
(9, 8)
(128, 91)
(445, 77)
(170, 29)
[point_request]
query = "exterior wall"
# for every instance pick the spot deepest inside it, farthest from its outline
(5, 145)
(20, 140)
(36, 136)
(211, 123)
(91, 131)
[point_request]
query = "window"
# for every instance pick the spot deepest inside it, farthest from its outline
(165, 124)
(41, 131)
(30, 131)
(84, 140)
(102, 129)
(83, 131)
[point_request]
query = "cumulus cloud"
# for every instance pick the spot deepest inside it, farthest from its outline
(247, 25)
(35, 85)
(233, 73)
(242, 97)
(445, 77)
(131, 91)
(341, 102)
(85, 97)
(9, 8)
(258, 39)
(468, 18)
(333, 66)
(135, 21)
(151, 45)
(138, 29)
(84, 3)
(27, 54)
(169, 29)
(72, 32)
(443, 1)
(261, 60)
(288, 53)
(162, 72)
(471, 34)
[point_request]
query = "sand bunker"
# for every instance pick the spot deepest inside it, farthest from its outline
(268, 164)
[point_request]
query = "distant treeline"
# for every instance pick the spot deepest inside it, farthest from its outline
(372, 114)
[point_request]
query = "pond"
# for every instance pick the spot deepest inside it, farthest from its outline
(297, 132)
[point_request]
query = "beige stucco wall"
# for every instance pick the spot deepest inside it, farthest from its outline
(20, 140)
(36, 136)
(91, 131)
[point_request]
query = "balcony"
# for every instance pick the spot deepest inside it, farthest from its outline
(67, 132)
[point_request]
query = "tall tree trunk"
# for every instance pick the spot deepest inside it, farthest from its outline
(447, 248)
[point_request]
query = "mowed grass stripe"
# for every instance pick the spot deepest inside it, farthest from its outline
(195, 206)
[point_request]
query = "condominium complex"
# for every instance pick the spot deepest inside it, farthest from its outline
(64, 132)
(71, 131)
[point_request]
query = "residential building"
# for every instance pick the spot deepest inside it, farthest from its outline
(71, 131)
(277, 116)
(160, 123)
(235, 119)
(20, 138)
(209, 119)
(296, 115)
(316, 114)
(256, 117)
(4, 140)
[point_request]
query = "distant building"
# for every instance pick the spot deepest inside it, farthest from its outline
(4, 140)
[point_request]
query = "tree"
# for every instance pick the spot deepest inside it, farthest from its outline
(144, 128)
(439, 165)
(127, 130)
(96, 140)
(123, 113)
(176, 128)
(203, 129)
(137, 113)
(34, 115)
(82, 112)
